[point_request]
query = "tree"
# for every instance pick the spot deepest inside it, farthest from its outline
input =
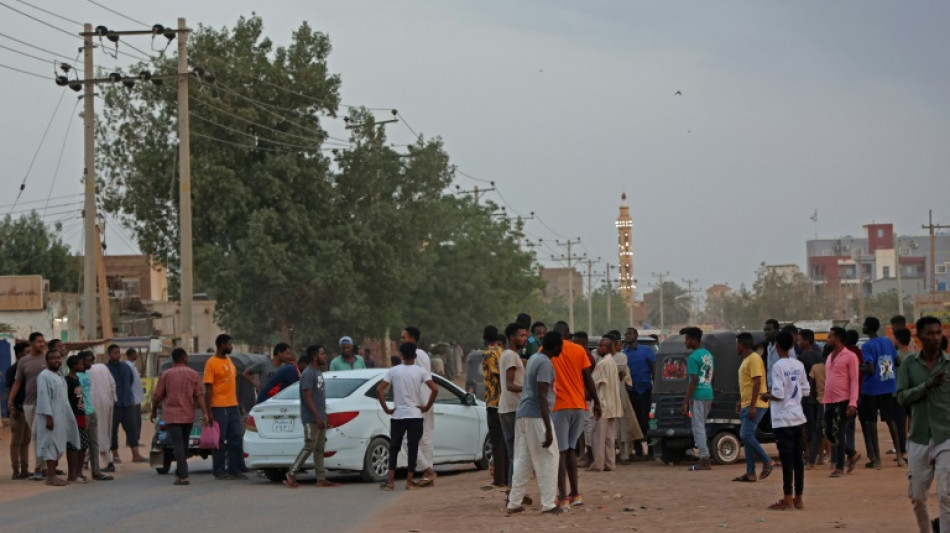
(30, 247)
(884, 305)
(676, 305)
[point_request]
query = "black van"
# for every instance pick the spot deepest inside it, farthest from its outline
(670, 430)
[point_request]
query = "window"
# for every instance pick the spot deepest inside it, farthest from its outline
(130, 286)
(880, 233)
(674, 368)
(447, 395)
(856, 253)
(940, 269)
(887, 272)
(827, 253)
(904, 251)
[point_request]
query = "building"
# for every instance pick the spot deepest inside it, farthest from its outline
(625, 250)
(135, 277)
(786, 273)
(846, 268)
(716, 297)
(559, 284)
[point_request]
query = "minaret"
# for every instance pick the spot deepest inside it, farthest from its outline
(625, 247)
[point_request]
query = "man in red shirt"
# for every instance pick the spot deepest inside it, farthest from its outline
(179, 389)
(841, 397)
(572, 371)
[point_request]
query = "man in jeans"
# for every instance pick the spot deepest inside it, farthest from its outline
(751, 407)
(841, 398)
(641, 362)
(179, 391)
(699, 393)
(28, 368)
(220, 381)
(313, 415)
(492, 377)
(922, 384)
(124, 410)
(19, 429)
(92, 418)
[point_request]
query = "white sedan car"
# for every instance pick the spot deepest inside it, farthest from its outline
(359, 438)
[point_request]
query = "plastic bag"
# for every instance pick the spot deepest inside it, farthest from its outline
(210, 437)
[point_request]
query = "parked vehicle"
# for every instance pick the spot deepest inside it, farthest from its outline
(646, 340)
(358, 440)
(670, 430)
(160, 455)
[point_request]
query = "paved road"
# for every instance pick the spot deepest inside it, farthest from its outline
(144, 502)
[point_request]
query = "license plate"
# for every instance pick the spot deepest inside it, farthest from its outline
(283, 425)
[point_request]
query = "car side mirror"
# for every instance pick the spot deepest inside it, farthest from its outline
(470, 399)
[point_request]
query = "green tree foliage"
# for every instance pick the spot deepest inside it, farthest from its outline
(30, 247)
(289, 237)
(774, 296)
(885, 305)
(676, 304)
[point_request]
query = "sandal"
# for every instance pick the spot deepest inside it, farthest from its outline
(767, 470)
(799, 504)
(836, 473)
(512, 510)
(852, 462)
(56, 482)
(780, 506)
(184, 481)
(385, 486)
(290, 481)
(102, 477)
(745, 478)
(425, 482)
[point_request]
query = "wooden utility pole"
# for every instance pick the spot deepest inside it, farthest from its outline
(186, 288)
(609, 290)
(689, 294)
(590, 296)
(933, 251)
(105, 311)
(661, 277)
(90, 241)
(570, 279)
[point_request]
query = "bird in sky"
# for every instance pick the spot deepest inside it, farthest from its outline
(678, 93)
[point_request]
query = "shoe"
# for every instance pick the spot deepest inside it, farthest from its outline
(102, 477)
(223, 477)
(109, 468)
(237, 476)
(576, 500)
(564, 504)
(553, 510)
(116, 460)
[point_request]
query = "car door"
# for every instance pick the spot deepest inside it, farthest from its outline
(456, 425)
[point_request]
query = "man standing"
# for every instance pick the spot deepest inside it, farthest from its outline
(19, 428)
(287, 375)
(924, 386)
(603, 433)
(408, 380)
(220, 383)
(348, 358)
(124, 410)
(412, 335)
(535, 443)
(841, 398)
(641, 361)
(771, 330)
(573, 370)
(265, 371)
(102, 387)
(368, 358)
(179, 392)
(534, 343)
(751, 407)
(492, 376)
(877, 391)
(56, 425)
(789, 385)
(813, 410)
(28, 369)
(313, 415)
(899, 322)
(699, 393)
(87, 358)
(138, 396)
(512, 368)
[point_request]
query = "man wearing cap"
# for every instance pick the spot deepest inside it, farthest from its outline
(348, 359)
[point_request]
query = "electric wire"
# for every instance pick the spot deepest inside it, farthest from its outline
(38, 148)
(48, 12)
(41, 21)
(59, 159)
(249, 121)
(114, 12)
(21, 71)
(41, 49)
(252, 135)
(45, 199)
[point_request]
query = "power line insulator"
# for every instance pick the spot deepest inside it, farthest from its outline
(115, 76)
(158, 29)
(75, 85)
(157, 81)
(101, 31)
(62, 81)
(145, 75)
(113, 36)
(169, 34)
(129, 84)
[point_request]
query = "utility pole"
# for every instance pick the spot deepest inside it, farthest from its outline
(933, 252)
(590, 295)
(609, 290)
(897, 267)
(477, 192)
(689, 293)
(90, 244)
(570, 277)
(187, 289)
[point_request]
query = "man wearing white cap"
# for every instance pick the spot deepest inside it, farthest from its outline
(348, 359)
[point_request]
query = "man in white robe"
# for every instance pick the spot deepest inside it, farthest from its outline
(56, 424)
(103, 401)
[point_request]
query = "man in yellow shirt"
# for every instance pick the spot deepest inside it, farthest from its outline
(751, 407)
(220, 381)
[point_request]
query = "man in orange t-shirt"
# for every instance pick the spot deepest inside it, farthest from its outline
(220, 380)
(572, 370)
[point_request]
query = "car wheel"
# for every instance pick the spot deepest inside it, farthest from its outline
(376, 461)
(482, 464)
(724, 448)
(275, 474)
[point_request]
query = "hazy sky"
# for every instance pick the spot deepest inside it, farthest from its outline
(787, 107)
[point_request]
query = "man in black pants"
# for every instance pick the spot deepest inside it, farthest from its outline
(407, 380)
(642, 362)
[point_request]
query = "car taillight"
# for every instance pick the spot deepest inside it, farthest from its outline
(329, 454)
(338, 419)
(250, 425)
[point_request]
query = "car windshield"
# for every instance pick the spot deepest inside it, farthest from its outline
(335, 388)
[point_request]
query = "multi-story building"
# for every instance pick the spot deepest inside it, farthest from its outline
(848, 267)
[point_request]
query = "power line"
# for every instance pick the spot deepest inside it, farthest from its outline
(232, 143)
(41, 21)
(471, 177)
(249, 121)
(21, 71)
(113, 11)
(14, 50)
(41, 49)
(40, 146)
(255, 136)
(403, 120)
(47, 199)
(59, 159)
(48, 12)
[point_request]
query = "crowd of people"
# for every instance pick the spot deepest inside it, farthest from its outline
(553, 406)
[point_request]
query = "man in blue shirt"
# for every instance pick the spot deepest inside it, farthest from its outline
(879, 367)
(124, 411)
(641, 361)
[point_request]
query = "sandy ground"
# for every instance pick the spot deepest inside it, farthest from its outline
(655, 497)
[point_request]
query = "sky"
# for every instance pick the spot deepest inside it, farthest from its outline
(787, 108)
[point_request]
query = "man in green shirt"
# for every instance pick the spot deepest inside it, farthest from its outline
(348, 359)
(923, 384)
(699, 394)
